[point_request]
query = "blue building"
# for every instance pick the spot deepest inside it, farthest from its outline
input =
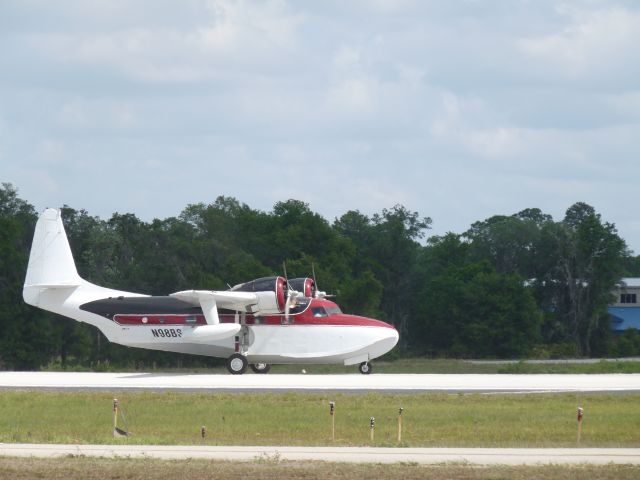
(625, 313)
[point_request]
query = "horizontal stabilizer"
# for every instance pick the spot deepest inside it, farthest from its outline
(55, 285)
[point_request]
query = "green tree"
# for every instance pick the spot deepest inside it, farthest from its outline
(26, 339)
(362, 295)
(387, 245)
(472, 310)
(510, 243)
(589, 261)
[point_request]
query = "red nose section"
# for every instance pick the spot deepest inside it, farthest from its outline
(343, 320)
(365, 322)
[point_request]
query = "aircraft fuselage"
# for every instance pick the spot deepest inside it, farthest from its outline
(320, 333)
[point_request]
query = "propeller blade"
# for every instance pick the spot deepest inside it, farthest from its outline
(287, 307)
(317, 293)
(286, 278)
(291, 302)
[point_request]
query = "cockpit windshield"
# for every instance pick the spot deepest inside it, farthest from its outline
(325, 311)
(319, 312)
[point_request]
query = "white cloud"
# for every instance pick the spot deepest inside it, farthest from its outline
(355, 95)
(231, 37)
(598, 43)
(626, 104)
(97, 115)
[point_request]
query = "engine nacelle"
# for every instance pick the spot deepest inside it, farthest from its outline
(271, 293)
(306, 286)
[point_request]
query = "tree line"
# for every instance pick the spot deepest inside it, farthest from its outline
(510, 286)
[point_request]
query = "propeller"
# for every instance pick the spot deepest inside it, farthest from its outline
(292, 294)
(318, 293)
(291, 302)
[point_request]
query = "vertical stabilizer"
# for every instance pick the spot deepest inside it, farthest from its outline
(52, 282)
(51, 263)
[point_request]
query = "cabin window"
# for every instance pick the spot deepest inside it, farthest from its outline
(333, 310)
(628, 298)
(319, 312)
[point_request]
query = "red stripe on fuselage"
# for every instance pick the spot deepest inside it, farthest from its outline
(160, 319)
(301, 319)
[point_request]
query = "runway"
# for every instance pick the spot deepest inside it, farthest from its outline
(384, 383)
(476, 456)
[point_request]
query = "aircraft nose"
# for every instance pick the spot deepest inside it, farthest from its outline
(387, 339)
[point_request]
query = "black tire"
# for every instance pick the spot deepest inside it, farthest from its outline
(365, 368)
(260, 367)
(237, 364)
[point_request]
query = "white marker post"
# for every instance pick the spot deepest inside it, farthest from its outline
(580, 415)
(332, 412)
(400, 424)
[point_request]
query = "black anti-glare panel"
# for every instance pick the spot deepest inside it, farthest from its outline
(108, 307)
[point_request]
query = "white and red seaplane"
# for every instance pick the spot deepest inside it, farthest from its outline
(258, 323)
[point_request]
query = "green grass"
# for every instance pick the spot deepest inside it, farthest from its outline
(79, 468)
(410, 365)
(435, 420)
(599, 367)
(405, 365)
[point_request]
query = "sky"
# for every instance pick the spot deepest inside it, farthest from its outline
(458, 110)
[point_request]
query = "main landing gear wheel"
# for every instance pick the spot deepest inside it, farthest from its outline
(237, 364)
(365, 368)
(260, 367)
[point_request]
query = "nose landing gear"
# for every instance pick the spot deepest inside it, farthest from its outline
(365, 368)
(260, 367)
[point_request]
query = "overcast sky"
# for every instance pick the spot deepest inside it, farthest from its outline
(457, 110)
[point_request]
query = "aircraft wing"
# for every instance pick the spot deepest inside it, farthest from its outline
(230, 300)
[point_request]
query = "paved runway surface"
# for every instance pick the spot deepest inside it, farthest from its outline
(345, 383)
(338, 383)
(478, 456)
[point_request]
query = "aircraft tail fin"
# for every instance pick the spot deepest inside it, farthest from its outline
(51, 263)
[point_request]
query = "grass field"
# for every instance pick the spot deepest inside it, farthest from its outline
(430, 420)
(420, 365)
(599, 367)
(79, 468)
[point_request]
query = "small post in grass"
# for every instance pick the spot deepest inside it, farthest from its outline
(580, 415)
(372, 426)
(118, 432)
(203, 432)
(332, 412)
(115, 417)
(400, 424)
